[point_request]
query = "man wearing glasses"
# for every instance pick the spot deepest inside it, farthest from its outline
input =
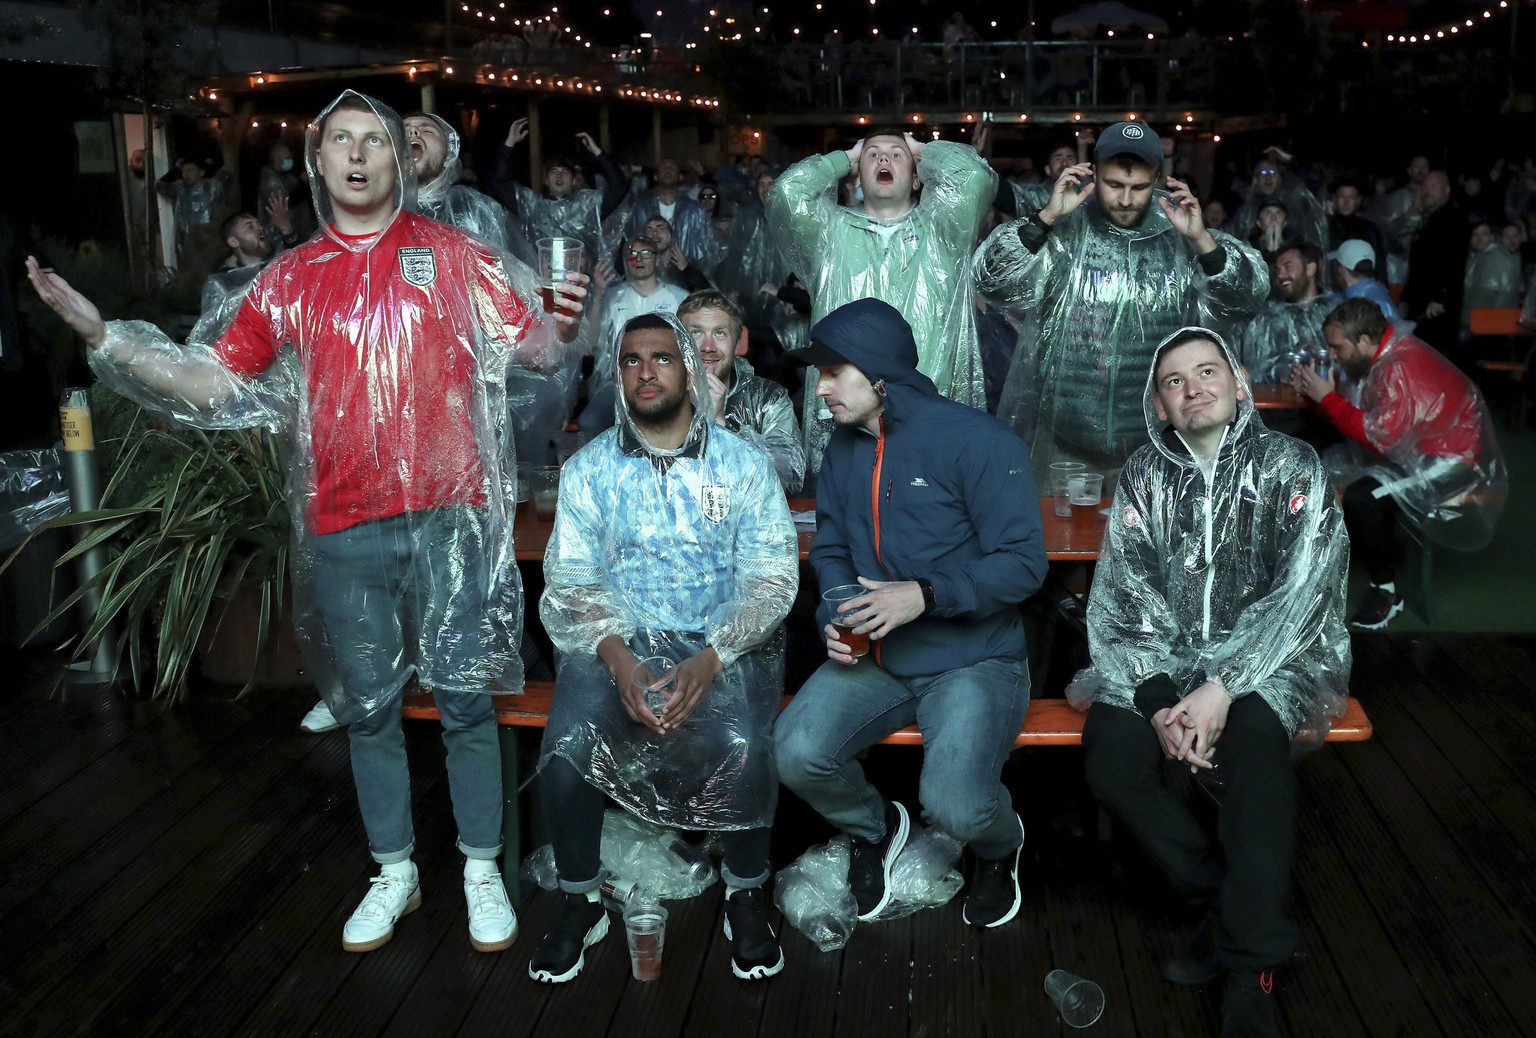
(640, 292)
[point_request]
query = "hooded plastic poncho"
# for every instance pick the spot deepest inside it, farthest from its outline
(701, 553)
(577, 215)
(760, 412)
(690, 225)
(1091, 304)
(1428, 439)
(1239, 576)
(196, 205)
(1305, 217)
(1263, 341)
(381, 359)
(447, 201)
(916, 263)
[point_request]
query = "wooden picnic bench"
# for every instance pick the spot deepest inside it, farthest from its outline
(1050, 722)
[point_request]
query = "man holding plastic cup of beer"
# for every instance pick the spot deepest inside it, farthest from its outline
(929, 509)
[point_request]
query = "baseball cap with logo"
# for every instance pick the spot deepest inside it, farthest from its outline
(1133, 139)
(1353, 252)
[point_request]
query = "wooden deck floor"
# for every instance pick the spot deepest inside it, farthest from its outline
(187, 872)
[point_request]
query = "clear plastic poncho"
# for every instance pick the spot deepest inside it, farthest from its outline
(577, 215)
(1031, 197)
(1305, 217)
(196, 205)
(751, 260)
(273, 182)
(447, 201)
(381, 360)
(538, 401)
(1492, 279)
(844, 254)
(1091, 306)
(690, 225)
(1263, 341)
(702, 552)
(760, 412)
(1241, 576)
(1432, 444)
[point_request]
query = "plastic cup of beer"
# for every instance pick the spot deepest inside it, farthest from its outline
(557, 257)
(858, 644)
(1083, 491)
(544, 489)
(645, 925)
(655, 676)
(1060, 472)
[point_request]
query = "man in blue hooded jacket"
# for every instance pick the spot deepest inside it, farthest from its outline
(931, 507)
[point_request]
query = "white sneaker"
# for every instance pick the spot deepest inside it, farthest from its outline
(373, 924)
(320, 719)
(492, 923)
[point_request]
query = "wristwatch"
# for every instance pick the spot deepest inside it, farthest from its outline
(929, 605)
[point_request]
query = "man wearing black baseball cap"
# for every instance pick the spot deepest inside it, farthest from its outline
(1095, 280)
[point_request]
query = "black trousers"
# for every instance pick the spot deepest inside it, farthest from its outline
(1255, 828)
(574, 810)
(1374, 537)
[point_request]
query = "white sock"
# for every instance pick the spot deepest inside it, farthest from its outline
(478, 868)
(405, 870)
(1390, 587)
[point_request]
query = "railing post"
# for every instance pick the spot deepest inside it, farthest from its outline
(84, 475)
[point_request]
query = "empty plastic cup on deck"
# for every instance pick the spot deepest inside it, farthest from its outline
(1080, 1002)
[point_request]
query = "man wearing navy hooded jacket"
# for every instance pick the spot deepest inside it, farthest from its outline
(930, 506)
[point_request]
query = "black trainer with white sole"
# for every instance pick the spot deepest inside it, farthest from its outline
(994, 896)
(562, 953)
(869, 863)
(755, 951)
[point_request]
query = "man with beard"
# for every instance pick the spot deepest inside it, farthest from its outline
(672, 264)
(757, 410)
(562, 209)
(1217, 638)
(892, 246)
(1095, 279)
(1420, 449)
(693, 573)
(440, 196)
(686, 217)
(1294, 321)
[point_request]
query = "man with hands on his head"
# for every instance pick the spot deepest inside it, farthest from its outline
(1216, 631)
(1118, 259)
(561, 210)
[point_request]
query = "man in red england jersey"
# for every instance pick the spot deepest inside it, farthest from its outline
(379, 349)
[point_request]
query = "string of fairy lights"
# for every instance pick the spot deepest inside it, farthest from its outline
(1451, 30)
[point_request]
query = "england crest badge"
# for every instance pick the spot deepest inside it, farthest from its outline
(418, 265)
(716, 501)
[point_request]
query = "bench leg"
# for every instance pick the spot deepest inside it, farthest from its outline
(511, 822)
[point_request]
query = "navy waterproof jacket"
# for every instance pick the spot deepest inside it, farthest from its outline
(945, 492)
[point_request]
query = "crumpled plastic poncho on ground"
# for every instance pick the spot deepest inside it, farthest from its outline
(816, 899)
(1305, 217)
(842, 254)
(638, 852)
(1091, 306)
(1261, 342)
(382, 361)
(701, 552)
(1239, 576)
(1432, 444)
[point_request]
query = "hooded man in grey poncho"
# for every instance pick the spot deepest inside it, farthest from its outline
(1215, 626)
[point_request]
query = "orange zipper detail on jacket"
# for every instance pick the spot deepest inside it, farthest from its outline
(874, 502)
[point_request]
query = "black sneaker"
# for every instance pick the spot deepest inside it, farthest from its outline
(1196, 963)
(755, 951)
(1378, 609)
(869, 864)
(562, 953)
(992, 897)
(1248, 1008)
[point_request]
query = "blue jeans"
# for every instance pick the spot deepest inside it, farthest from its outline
(969, 718)
(374, 589)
